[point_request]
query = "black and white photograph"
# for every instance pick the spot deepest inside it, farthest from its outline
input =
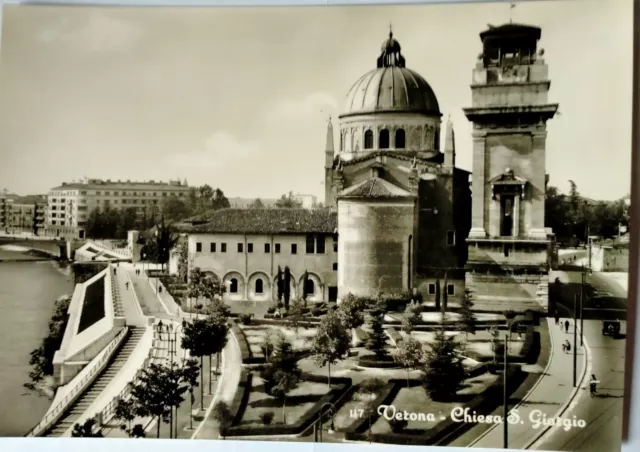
(375, 224)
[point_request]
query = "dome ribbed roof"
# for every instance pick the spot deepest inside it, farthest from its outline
(391, 88)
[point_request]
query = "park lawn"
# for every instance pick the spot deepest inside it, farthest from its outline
(416, 400)
(298, 402)
(485, 348)
(358, 402)
(256, 335)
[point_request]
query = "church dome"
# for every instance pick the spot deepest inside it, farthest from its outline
(391, 87)
(396, 89)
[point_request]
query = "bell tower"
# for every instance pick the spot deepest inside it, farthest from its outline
(509, 113)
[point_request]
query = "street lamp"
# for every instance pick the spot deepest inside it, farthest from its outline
(504, 395)
(319, 422)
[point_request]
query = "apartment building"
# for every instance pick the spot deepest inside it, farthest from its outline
(28, 214)
(69, 204)
(6, 201)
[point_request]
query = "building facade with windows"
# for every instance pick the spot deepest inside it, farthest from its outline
(28, 214)
(244, 248)
(69, 204)
(6, 202)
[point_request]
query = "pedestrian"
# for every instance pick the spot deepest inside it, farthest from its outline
(126, 285)
(557, 317)
(567, 346)
(160, 328)
(592, 385)
(566, 325)
(564, 347)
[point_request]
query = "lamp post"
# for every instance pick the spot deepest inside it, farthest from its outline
(575, 340)
(504, 394)
(319, 422)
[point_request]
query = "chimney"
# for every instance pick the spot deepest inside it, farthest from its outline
(449, 146)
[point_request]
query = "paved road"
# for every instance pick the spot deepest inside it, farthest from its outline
(603, 413)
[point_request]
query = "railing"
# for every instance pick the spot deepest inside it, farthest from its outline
(53, 415)
(108, 412)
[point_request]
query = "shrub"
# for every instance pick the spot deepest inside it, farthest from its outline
(316, 312)
(271, 310)
(397, 425)
(267, 417)
(245, 319)
(371, 386)
(280, 305)
(372, 361)
(509, 314)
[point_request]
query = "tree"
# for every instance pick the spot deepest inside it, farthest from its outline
(351, 311)
(163, 242)
(331, 342)
(196, 338)
(286, 290)
(86, 430)
(175, 209)
(377, 340)
(445, 295)
(183, 263)
(281, 358)
(411, 317)
(296, 315)
(218, 318)
(256, 204)
(409, 354)
(222, 414)
(280, 283)
(444, 372)
(285, 383)
(305, 283)
(194, 284)
(437, 295)
(288, 201)
(125, 411)
(150, 393)
(467, 317)
(190, 374)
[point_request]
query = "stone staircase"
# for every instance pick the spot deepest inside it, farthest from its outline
(116, 296)
(78, 408)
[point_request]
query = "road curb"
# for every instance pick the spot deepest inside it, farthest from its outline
(528, 394)
(564, 408)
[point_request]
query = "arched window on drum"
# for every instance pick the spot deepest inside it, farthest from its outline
(384, 139)
(400, 139)
(368, 139)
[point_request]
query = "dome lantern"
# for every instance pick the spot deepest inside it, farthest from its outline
(390, 56)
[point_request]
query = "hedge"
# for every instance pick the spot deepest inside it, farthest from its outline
(241, 396)
(385, 397)
(483, 403)
(245, 350)
(336, 395)
(371, 361)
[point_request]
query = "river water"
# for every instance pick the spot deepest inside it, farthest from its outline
(28, 291)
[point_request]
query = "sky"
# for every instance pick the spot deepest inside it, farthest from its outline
(239, 98)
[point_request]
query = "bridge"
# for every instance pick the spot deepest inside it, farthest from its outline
(46, 245)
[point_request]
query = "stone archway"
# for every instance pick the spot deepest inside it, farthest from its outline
(234, 283)
(315, 287)
(292, 288)
(259, 287)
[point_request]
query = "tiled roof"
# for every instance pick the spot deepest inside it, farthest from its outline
(374, 188)
(267, 221)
